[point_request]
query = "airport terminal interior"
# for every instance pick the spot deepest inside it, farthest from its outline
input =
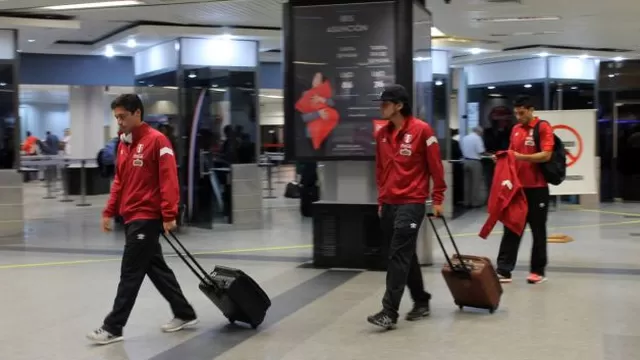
(268, 106)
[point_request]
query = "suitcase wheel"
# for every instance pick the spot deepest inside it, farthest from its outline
(492, 310)
(254, 326)
(460, 307)
(232, 321)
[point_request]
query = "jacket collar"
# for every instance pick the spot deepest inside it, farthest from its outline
(407, 122)
(533, 122)
(135, 135)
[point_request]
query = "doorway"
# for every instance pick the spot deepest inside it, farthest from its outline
(625, 137)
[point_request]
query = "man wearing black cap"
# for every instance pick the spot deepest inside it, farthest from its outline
(407, 159)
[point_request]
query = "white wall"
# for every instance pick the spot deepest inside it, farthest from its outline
(41, 117)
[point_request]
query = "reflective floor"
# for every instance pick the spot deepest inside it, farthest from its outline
(60, 284)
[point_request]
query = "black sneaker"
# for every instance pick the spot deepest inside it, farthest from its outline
(383, 320)
(504, 279)
(418, 312)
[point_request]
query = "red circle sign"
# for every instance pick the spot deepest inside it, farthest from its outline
(571, 158)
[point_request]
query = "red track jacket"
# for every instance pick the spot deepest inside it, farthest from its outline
(406, 160)
(146, 182)
(507, 201)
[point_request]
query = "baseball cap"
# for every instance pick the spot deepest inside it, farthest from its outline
(394, 93)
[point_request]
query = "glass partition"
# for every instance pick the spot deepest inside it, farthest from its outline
(7, 116)
(493, 109)
(220, 108)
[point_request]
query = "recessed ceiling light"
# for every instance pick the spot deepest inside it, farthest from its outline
(475, 51)
(132, 43)
(31, 40)
(518, 18)
(574, 88)
(192, 75)
(618, 58)
(108, 51)
(543, 54)
(611, 75)
(491, 87)
(3, 84)
(95, 5)
(528, 85)
(584, 56)
(495, 95)
(438, 82)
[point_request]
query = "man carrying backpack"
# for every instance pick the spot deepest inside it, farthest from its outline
(532, 142)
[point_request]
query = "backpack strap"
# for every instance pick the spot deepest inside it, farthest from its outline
(536, 135)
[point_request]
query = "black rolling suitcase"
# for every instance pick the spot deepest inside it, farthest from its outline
(236, 294)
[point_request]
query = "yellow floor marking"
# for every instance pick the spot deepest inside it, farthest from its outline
(289, 247)
(611, 212)
(91, 261)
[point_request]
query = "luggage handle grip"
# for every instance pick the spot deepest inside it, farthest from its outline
(201, 276)
(430, 216)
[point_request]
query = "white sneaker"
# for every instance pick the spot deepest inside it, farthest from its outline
(101, 336)
(178, 324)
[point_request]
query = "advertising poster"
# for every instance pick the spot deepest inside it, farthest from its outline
(343, 58)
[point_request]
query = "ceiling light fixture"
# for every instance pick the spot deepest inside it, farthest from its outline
(475, 51)
(519, 18)
(528, 86)
(192, 75)
(574, 88)
(31, 40)
(227, 36)
(618, 58)
(543, 54)
(132, 43)
(95, 5)
(108, 51)
(491, 87)
(611, 75)
(438, 83)
(584, 56)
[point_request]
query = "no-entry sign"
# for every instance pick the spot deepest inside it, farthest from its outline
(572, 142)
(577, 130)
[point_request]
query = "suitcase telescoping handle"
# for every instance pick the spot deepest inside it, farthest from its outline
(202, 274)
(464, 267)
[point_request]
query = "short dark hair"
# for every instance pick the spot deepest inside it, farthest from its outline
(406, 109)
(523, 101)
(130, 102)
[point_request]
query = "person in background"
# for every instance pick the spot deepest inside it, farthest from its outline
(29, 145)
(52, 144)
(146, 193)
(407, 159)
(536, 191)
(66, 141)
(472, 147)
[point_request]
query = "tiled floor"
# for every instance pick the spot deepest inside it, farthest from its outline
(60, 283)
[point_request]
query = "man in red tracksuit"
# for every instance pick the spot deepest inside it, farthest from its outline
(536, 191)
(145, 192)
(407, 159)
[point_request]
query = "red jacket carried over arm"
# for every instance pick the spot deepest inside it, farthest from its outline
(169, 184)
(507, 201)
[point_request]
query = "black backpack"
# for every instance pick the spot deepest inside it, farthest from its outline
(554, 170)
